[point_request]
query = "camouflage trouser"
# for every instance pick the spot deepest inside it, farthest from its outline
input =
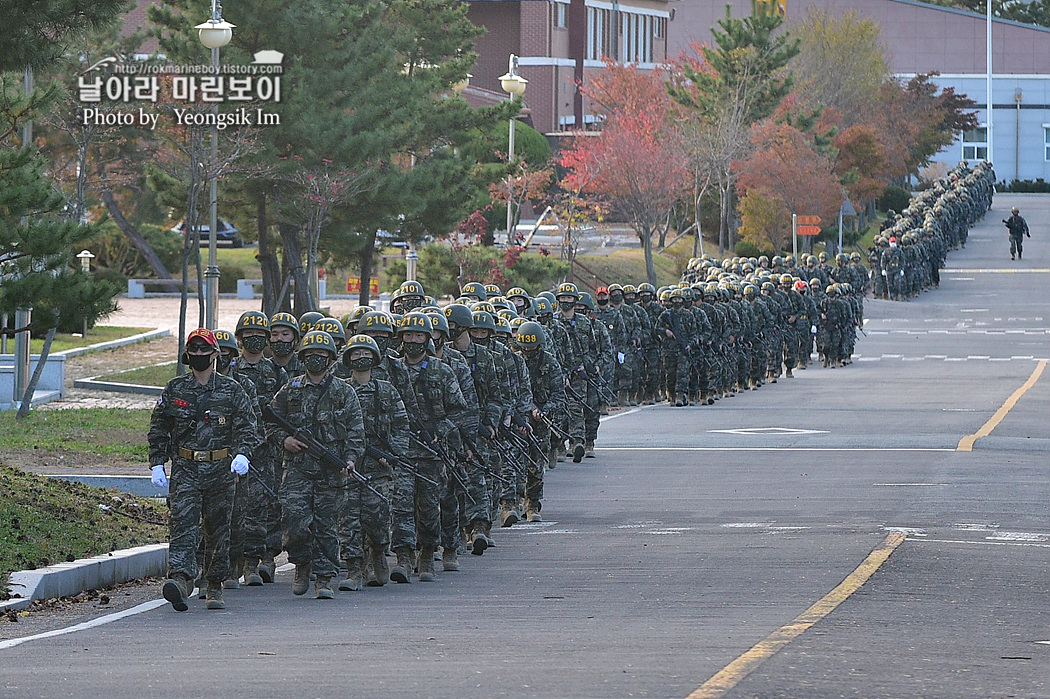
(677, 369)
(577, 413)
(654, 372)
(534, 469)
(1016, 244)
(251, 509)
(592, 416)
(791, 345)
(758, 363)
(457, 509)
(274, 516)
(200, 493)
(415, 512)
(311, 519)
(364, 518)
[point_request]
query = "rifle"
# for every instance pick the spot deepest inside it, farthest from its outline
(558, 432)
(579, 399)
(518, 421)
(426, 441)
(479, 465)
(392, 457)
(262, 484)
(328, 457)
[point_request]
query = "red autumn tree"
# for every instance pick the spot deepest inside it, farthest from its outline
(786, 167)
(632, 165)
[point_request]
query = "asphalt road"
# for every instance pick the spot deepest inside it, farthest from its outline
(700, 536)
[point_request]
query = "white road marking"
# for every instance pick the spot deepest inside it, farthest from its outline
(1019, 536)
(746, 525)
(109, 618)
(878, 449)
(976, 527)
(982, 543)
(910, 531)
(769, 430)
(909, 485)
(629, 412)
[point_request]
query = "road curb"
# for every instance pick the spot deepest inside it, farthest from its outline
(114, 344)
(116, 387)
(97, 572)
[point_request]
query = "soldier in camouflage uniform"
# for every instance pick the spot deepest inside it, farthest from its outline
(201, 420)
(585, 350)
(364, 529)
(559, 343)
(651, 345)
(548, 398)
(252, 333)
(439, 410)
(312, 491)
(492, 394)
(283, 342)
(620, 326)
(677, 326)
(241, 528)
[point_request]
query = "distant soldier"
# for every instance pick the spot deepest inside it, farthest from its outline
(205, 425)
(1018, 228)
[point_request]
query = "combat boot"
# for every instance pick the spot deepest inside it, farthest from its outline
(355, 573)
(532, 510)
(449, 560)
(214, 596)
(552, 460)
(174, 590)
(589, 448)
(406, 561)
(323, 588)
(236, 567)
(426, 564)
(478, 541)
(380, 574)
(251, 572)
(267, 568)
(577, 452)
(302, 579)
(508, 517)
(202, 588)
(788, 374)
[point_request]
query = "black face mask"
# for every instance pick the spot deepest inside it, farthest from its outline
(282, 348)
(483, 341)
(545, 320)
(567, 305)
(439, 342)
(414, 349)
(603, 302)
(383, 342)
(222, 362)
(197, 362)
(458, 333)
(315, 363)
(616, 299)
(254, 343)
(677, 305)
(361, 363)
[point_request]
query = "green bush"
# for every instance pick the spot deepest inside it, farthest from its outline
(1037, 186)
(228, 276)
(745, 248)
(895, 198)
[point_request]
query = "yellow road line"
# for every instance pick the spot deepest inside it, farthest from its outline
(731, 675)
(966, 443)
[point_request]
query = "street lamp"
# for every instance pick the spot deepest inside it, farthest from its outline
(85, 258)
(214, 34)
(514, 85)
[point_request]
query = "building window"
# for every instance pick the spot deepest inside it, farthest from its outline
(636, 37)
(1046, 141)
(560, 12)
(975, 144)
(597, 25)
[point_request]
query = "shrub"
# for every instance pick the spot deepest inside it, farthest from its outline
(895, 198)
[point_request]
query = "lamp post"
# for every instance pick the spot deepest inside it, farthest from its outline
(85, 258)
(214, 34)
(514, 85)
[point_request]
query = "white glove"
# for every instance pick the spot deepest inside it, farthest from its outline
(620, 357)
(813, 329)
(239, 465)
(159, 479)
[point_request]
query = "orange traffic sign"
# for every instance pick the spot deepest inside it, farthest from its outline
(353, 285)
(809, 230)
(808, 221)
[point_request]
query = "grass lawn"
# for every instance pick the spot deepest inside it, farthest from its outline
(114, 432)
(628, 267)
(154, 375)
(45, 521)
(97, 334)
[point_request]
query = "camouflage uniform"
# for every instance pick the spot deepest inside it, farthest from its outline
(548, 396)
(209, 418)
(311, 492)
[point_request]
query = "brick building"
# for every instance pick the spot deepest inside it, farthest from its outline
(558, 42)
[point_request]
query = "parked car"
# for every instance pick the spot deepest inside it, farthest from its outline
(226, 233)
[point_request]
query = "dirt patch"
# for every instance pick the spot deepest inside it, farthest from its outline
(130, 357)
(46, 462)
